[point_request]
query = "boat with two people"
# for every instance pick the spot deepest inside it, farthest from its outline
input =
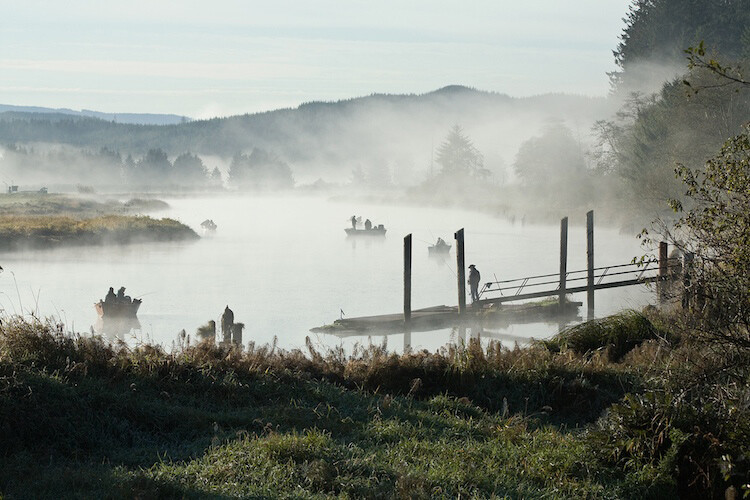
(369, 230)
(439, 248)
(208, 226)
(117, 305)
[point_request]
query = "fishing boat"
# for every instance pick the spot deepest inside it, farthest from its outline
(208, 226)
(373, 231)
(117, 306)
(439, 248)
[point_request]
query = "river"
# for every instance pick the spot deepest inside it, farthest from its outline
(284, 265)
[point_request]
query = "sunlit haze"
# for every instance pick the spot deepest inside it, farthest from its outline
(205, 59)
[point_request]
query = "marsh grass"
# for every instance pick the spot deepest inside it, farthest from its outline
(23, 231)
(82, 417)
(616, 335)
(33, 220)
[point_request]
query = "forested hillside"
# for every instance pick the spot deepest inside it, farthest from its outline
(329, 140)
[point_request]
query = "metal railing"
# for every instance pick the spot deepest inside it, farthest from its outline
(627, 274)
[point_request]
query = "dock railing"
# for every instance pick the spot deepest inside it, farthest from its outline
(604, 277)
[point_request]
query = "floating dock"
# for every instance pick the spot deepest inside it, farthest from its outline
(440, 317)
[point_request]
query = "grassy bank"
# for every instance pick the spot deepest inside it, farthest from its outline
(47, 220)
(80, 417)
(18, 232)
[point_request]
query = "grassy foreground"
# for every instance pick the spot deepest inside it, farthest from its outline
(82, 418)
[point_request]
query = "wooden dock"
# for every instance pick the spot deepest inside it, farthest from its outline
(493, 305)
(440, 317)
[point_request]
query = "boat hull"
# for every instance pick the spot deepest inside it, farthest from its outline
(116, 309)
(375, 231)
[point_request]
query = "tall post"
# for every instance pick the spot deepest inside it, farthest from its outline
(407, 291)
(590, 264)
(461, 270)
(563, 260)
(661, 285)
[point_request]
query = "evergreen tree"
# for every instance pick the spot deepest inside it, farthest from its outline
(458, 156)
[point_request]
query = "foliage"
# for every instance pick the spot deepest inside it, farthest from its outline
(554, 163)
(728, 75)
(716, 230)
(617, 335)
(649, 135)
(458, 157)
(659, 30)
(260, 170)
(189, 169)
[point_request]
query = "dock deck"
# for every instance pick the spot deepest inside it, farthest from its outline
(439, 317)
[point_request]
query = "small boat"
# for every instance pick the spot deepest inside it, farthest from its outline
(439, 248)
(117, 306)
(208, 225)
(373, 231)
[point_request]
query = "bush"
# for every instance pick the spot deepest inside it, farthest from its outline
(617, 334)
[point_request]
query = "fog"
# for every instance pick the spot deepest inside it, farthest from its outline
(327, 141)
(285, 265)
(281, 186)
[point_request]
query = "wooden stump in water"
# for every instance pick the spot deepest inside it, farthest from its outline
(237, 334)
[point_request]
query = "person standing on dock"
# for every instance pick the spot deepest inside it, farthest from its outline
(474, 278)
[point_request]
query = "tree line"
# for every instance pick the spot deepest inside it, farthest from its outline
(154, 170)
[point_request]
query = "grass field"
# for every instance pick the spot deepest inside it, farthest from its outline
(82, 418)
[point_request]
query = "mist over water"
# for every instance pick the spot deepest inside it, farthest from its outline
(284, 265)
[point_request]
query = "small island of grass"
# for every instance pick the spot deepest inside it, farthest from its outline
(45, 221)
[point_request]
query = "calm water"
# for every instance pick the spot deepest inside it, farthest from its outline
(285, 265)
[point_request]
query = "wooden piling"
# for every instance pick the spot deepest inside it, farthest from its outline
(237, 334)
(563, 260)
(590, 264)
(460, 270)
(407, 281)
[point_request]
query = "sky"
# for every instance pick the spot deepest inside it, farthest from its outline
(222, 57)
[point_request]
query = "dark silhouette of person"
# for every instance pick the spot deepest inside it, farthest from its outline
(354, 222)
(111, 297)
(227, 320)
(368, 224)
(121, 294)
(474, 278)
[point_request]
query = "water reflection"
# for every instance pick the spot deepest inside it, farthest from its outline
(116, 328)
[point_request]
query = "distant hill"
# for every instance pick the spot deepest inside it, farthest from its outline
(129, 118)
(331, 139)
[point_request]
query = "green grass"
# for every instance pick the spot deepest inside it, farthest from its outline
(83, 418)
(617, 335)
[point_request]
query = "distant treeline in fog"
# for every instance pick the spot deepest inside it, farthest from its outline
(152, 170)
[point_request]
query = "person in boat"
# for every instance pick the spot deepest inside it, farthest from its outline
(227, 320)
(354, 222)
(440, 242)
(368, 225)
(110, 297)
(474, 278)
(121, 297)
